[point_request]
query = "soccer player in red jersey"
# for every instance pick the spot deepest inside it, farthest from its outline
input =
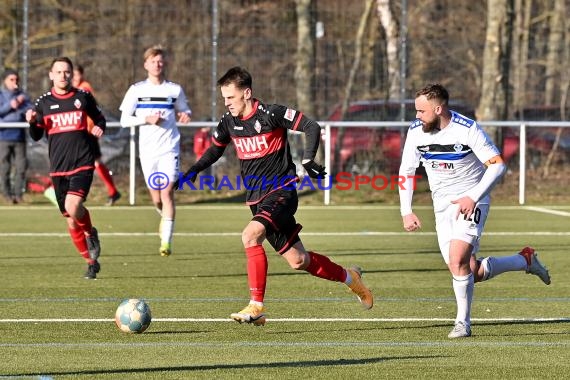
(258, 132)
(62, 114)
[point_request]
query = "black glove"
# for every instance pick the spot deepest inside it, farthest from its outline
(190, 175)
(315, 170)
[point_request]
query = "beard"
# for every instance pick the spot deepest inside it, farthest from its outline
(431, 126)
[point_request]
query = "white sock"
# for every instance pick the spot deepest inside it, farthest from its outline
(463, 288)
(256, 303)
(167, 229)
(494, 266)
(159, 211)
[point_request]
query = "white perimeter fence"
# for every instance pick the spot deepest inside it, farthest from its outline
(328, 125)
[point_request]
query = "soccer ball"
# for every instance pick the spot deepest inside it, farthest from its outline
(133, 316)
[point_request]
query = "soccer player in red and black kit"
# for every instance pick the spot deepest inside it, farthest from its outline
(259, 134)
(62, 113)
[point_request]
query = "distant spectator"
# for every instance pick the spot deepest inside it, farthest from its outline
(202, 141)
(13, 106)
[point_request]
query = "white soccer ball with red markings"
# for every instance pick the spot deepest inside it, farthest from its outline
(133, 316)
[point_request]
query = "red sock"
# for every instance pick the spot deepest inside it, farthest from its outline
(78, 239)
(85, 222)
(104, 173)
(321, 266)
(256, 272)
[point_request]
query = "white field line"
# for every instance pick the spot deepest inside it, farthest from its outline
(243, 207)
(249, 344)
(548, 211)
(233, 234)
(177, 320)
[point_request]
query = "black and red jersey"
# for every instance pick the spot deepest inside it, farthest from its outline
(261, 144)
(64, 119)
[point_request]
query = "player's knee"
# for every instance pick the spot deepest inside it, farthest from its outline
(251, 237)
(298, 261)
(72, 207)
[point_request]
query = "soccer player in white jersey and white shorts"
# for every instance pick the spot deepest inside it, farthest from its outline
(155, 105)
(462, 165)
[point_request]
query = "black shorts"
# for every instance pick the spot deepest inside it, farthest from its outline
(76, 184)
(277, 213)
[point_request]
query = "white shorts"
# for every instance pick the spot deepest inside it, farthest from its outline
(449, 228)
(157, 169)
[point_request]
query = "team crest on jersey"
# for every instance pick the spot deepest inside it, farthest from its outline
(289, 114)
(77, 103)
(257, 126)
(458, 147)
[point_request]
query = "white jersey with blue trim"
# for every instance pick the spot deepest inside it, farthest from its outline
(165, 99)
(453, 157)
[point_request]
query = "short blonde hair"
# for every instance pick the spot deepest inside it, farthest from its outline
(154, 51)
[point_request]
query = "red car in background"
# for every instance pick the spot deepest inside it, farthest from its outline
(370, 150)
(539, 140)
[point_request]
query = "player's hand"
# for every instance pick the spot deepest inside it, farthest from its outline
(97, 131)
(314, 170)
(30, 116)
(190, 175)
(183, 117)
(466, 207)
(153, 119)
(411, 222)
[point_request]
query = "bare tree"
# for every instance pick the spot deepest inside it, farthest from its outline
(355, 64)
(520, 54)
(554, 55)
(493, 96)
(305, 57)
(554, 66)
(390, 24)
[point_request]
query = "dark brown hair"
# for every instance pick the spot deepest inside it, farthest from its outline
(434, 91)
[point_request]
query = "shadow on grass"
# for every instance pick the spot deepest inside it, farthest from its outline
(217, 367)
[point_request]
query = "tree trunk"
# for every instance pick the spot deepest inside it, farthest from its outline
(305, 57)
(520, 54)
(495, 69)
(557, 41)
(349, 83)
(554, 54)
(391, 28)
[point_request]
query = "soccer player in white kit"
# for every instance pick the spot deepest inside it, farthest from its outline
(155, 105)
(462, 165)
